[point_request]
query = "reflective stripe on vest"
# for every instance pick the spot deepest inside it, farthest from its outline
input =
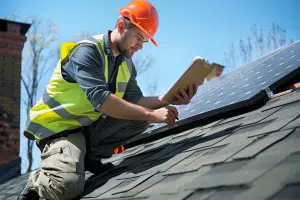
(64, 105)
(59, 110)
(37, 128)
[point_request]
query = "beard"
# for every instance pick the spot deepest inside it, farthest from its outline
(124, 51)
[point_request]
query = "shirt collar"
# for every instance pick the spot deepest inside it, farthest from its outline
(107, 49)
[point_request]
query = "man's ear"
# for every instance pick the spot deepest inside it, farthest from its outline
(121, 26)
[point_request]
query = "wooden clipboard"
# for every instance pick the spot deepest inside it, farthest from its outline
(195, 74)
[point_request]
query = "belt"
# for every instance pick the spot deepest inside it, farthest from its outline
(65, 133)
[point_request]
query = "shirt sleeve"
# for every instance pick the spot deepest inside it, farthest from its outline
(133, 92)
(85, 67)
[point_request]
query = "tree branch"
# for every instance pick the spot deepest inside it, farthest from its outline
(25, 85)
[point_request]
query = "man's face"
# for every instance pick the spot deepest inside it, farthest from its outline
(131, 41)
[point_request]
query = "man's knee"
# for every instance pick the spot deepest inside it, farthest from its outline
(60, 186)
(70, 187)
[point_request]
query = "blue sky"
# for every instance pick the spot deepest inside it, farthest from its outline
(186, 29)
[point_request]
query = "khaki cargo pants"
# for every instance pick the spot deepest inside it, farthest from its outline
(61, 172)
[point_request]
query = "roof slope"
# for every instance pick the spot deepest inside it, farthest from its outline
(250, 156)
(255, 155)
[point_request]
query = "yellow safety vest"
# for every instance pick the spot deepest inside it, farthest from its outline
(64, 105)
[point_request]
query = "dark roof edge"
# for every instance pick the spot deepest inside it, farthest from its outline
(24, 26)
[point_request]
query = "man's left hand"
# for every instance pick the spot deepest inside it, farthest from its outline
(184, 97)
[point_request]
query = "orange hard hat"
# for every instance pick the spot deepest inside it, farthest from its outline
(142, 14)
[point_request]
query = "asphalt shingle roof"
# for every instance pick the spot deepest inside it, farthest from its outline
(255, 155)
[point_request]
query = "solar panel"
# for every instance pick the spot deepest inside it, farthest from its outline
(241, 87)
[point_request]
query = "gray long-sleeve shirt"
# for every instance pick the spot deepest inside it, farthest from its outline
(85, 67)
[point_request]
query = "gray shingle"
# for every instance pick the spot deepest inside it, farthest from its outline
(286, 112)
(237, 173)
(212, 124)
(222, 194)
(283, 100)
(180, 196)
(133, 184)
(173, 184)
(223, 175)
(274, 180)
(225, 153)
(258, 116)
(293, 124)
(260, 144)
(181, 180)
(112, 183)
(204, 144)
(144, 186)
(183, 165)
(200, 195)
(289, 192)
(173, 161)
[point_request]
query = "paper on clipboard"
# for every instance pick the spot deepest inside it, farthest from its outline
(195, 74)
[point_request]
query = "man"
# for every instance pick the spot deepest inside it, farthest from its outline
(92, 104)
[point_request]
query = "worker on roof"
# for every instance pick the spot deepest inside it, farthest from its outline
(93, 105)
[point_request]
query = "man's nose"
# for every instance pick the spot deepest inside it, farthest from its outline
(139, 45)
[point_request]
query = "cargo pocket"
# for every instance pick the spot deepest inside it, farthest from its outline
(59, 159)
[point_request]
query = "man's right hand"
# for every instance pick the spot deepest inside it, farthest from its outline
(116, 107)
(167, 115)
